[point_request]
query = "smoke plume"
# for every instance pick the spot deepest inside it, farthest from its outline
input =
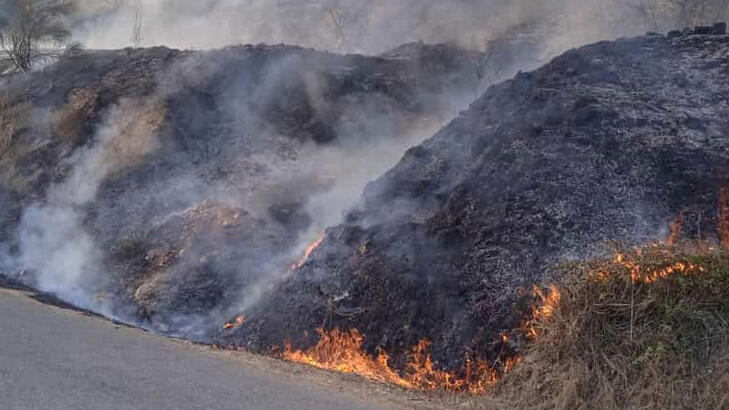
(54, 244)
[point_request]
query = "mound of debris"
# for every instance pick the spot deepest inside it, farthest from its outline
(624, 140)
(169, 184)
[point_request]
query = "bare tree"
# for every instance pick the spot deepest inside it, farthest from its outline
(336, 21)
(28, 25)
(136, 7)
(137, 30)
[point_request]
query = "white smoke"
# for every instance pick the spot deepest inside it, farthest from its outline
(54, 246)
(378, 25)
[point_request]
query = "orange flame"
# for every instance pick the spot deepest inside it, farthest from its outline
(342, 351)
(476, 377)
(543, 309)
(309, 249)
(647, 275)
(232, 325)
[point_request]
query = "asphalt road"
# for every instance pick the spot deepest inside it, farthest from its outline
(53, 358)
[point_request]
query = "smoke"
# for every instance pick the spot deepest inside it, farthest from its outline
(312, 183)
(340, 25)
(54, 245)
(215, 123)
(375, 26)
(198, 190)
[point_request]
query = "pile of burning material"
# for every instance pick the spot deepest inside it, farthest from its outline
(598, 145)
(216, 157)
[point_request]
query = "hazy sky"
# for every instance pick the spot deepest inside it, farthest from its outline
(339, 25)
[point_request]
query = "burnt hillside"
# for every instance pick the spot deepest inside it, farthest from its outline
(612, 141)
(165, 187)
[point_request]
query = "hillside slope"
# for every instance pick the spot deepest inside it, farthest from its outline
(164, 187)
(610, 141)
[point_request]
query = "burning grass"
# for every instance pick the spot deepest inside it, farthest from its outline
(647, 329)
(342, 351)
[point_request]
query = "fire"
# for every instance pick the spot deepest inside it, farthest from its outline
(309, 249)
(647, 275)
(544, 309)
(232, 325)
(342, 351)
(476, 377)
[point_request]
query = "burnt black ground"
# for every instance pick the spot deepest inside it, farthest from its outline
(608, 142)
(217, 202)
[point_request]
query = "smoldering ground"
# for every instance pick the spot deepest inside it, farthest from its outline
(248, 153)
(180, 186)
(542, 169)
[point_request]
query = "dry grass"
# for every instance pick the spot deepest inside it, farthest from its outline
(10, 123)
(68, 121)
(615, 342)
